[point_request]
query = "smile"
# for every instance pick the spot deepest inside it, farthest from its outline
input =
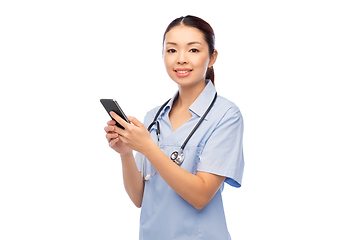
(182, 72)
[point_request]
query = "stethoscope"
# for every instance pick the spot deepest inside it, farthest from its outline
(177, 156)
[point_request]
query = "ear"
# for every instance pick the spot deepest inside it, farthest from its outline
(213, 58)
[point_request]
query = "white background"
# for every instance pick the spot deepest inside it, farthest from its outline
(292, 67)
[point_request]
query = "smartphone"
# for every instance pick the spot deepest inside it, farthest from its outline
(112, 105)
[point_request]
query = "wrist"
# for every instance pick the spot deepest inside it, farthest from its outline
(128, 154)
(149, 149)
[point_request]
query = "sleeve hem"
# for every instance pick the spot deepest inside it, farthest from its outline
(229, 179)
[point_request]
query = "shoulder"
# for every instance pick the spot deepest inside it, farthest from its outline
(150, 115)
(227, 109)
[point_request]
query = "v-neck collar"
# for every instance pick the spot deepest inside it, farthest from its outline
(199, 106)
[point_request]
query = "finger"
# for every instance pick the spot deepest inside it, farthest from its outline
(109, 129)
(113, 142)
(118, 119)
(111, 123)
(123, 139)
(118, 130)
(134, 121)
(111, 136)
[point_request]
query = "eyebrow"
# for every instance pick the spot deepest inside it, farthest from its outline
(190, 43)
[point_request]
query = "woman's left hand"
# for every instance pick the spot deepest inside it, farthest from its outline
(135, 135)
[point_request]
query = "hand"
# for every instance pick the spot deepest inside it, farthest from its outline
(114, 140)
(135, 135)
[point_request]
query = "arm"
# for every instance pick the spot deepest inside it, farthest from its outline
(133, 182)
(197, 189)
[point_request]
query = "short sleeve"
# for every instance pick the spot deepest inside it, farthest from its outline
(139, 158)
(223, 152)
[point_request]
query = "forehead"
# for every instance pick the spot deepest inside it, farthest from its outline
(184, 34)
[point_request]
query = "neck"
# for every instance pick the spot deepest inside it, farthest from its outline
(188, 94)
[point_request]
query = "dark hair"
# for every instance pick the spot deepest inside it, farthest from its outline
(205, 28)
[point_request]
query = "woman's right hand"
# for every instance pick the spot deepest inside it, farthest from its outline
(114, 140)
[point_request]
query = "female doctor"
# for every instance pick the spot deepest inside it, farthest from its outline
(178, 173)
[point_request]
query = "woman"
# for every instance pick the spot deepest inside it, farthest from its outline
(181, 199)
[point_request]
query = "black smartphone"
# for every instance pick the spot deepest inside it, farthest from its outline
(112, 105)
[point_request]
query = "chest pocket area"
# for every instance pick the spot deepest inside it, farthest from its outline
(191, 156)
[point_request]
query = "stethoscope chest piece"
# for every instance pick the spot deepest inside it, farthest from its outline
(177, 157)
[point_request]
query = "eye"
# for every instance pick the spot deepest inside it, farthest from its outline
(194, 50)
(171, 51)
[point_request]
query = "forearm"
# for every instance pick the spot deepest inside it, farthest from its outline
(133, 182)
(191, 187)
(197, 189)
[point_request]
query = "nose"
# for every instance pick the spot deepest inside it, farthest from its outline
(182, 58)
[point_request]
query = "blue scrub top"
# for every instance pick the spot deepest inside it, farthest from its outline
(216, 147)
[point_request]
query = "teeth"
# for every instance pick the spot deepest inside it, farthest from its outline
(183, 71)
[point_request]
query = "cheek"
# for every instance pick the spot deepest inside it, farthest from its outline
(202, 62)
(169, 66)
(168, 62)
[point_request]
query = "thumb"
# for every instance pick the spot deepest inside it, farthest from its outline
(134, 121)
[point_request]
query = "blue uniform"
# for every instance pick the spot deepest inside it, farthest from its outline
(216, 147)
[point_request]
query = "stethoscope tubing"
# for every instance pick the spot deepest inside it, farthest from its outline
(199, 122)
(178, 156)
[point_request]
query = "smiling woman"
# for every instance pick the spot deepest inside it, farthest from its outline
(186, 55)
(181, 199)
(208, 37)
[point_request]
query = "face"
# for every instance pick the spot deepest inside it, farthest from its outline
(186, 55)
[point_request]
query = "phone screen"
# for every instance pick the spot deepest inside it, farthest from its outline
(112, 105)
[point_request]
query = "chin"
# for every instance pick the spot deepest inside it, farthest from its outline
(190, 80)
(186, 82)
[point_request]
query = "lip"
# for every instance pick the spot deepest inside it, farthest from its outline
(183, 72)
